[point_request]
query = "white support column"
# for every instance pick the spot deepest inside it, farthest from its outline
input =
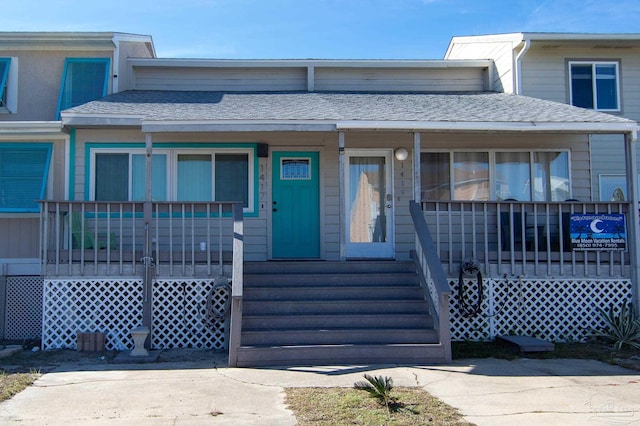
(147, 211)
(341, 196)
(311, 78)
(633, 232)
(417, 188)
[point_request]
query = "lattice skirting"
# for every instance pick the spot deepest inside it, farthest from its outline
(559, 310)
(115, 306)
(23, 316)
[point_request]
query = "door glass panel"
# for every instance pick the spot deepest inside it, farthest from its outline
(367, 222)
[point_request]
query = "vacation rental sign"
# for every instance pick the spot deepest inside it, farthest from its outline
(606, 232)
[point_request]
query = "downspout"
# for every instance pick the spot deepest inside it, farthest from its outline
(633, 226)
(517, 77)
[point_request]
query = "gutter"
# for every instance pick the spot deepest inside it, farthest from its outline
(517, 75)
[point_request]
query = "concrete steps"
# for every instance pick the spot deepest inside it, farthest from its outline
(302, 313)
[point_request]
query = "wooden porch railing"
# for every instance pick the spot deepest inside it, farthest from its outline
(432, 277)
(528, 238)
(105, 239)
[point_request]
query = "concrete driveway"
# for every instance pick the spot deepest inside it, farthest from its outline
(486, 391)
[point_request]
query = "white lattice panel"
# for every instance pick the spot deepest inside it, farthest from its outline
(112, 306)
(24, 308)
(180, 319)
(551, 309)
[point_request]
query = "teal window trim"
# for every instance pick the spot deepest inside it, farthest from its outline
(45, 175)
(72, 164)
(3, 80)
(67, 62)
(90, 146)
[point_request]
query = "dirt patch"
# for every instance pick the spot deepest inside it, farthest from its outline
(45, 361)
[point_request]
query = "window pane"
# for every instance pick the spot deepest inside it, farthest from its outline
(232, 178)
(159, 177)
(606, 86)
(551, 176)
(582, 85)
(84, 81)
(194, 177)
(4, 72)
(471, 176)
(112, 177)
(23, 177)
(513, 175)
(435, 179)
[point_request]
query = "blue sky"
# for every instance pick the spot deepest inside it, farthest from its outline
(340, 29)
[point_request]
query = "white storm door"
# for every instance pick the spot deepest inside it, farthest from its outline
(369, 204)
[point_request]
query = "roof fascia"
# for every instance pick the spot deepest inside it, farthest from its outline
(514, 38)
(28, 129)
(529, 126)
(297, 63)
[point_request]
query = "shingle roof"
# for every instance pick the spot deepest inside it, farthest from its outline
(331, 106)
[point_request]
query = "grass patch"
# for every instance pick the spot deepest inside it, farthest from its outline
(13, 383)
(342, 406)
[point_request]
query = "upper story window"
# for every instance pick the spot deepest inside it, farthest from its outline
(83, 80)
(189, 175)
(595, 85)
(495, 175)
(24, 169)
(4, 74)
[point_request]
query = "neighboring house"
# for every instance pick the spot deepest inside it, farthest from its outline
(594, 71)
(293, 180)
(40, 75)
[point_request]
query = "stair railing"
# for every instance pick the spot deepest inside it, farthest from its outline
(432, 277)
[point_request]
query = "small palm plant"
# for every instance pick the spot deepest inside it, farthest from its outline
(622, 329)
(378, 387)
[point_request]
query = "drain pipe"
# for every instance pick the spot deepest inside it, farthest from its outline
(517, 77)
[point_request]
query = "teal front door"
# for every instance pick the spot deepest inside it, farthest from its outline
(296, 205)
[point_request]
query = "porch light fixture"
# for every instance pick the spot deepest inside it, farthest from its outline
(401, 154)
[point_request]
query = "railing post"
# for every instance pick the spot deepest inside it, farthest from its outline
(633, 226)
(236, 285)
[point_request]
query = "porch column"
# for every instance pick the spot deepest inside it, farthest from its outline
(341, 195)
(417, 188)
(632, 228)
(147, 260)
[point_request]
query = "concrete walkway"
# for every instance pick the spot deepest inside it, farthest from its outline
(487, 392)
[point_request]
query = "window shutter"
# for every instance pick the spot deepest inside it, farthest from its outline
(23, 177)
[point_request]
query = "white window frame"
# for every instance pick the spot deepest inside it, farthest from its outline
(594, 83)
(172, 168)
(492, 166)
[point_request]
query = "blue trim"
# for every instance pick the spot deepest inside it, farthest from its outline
(68, 61)
(72, 164)
(178, 145)
(45, 175)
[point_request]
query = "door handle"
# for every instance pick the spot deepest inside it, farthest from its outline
(388, 205)
(275, 210)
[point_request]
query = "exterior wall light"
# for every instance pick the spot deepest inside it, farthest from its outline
(401, 154)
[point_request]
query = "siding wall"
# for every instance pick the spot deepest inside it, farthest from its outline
(545, 75)
(502, 55)
(258, 229)
(129, 49)
(393, 79)
(39, 77)
(20, 231)
(218, 79)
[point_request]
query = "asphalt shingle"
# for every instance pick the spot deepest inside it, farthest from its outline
(420, 107)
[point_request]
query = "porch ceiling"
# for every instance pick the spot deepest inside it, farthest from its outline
(157, 111)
